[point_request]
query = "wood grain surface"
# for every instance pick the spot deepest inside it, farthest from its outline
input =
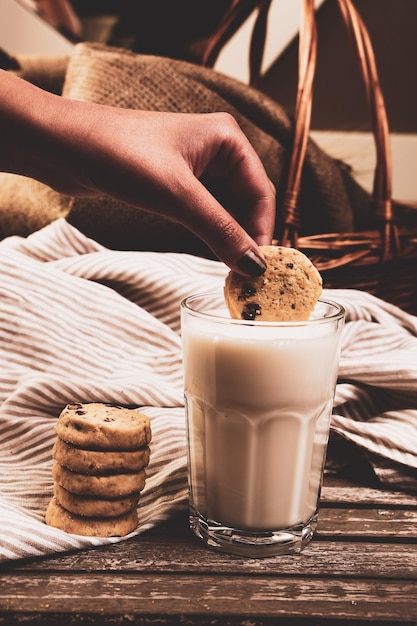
(361, 567)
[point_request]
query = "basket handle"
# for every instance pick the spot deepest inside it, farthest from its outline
(307, 56)
(232, 20)
(382, 205)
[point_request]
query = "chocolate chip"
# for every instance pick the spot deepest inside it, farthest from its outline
(251, 310)
(246, 292)
(290, 265)
(74, 406)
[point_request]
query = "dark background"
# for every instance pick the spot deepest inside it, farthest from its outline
(174, 28)
(339, 98)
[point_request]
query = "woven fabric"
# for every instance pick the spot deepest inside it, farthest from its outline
(80, 322)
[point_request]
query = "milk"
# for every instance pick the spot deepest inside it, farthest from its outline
(259, 401)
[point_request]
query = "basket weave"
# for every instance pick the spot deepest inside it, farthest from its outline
(382, 261)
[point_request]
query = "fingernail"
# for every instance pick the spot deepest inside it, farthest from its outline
(251, 264)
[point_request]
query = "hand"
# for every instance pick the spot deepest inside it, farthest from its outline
(155, 161)
(150, 160)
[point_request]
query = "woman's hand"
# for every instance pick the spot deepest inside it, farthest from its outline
(150, 160)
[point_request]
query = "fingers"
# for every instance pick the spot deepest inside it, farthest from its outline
(156, 161)
(161, 164)
(230, 242)
(236, 230)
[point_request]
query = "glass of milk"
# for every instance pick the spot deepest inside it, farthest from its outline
(259, 398)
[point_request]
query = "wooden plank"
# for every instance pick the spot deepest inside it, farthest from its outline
(371, 521)
(383, 523)
(56, 619)
(265, 596)
(165, 555)
(366, 496)
(387, 523)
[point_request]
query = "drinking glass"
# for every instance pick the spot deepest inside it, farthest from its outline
(258, 398)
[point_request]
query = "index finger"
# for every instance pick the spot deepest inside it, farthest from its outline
(251, 195)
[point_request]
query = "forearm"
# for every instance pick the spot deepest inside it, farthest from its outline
(40, 132)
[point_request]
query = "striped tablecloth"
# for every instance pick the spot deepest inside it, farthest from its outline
(80, 322)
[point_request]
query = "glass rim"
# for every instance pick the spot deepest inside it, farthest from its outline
(338, 314)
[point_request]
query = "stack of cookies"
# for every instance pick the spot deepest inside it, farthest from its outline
(100, 457)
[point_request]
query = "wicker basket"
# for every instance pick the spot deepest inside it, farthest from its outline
(382, 261)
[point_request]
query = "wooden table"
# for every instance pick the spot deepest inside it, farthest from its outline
(360, 567)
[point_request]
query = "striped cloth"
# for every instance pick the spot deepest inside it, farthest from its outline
(80, 322)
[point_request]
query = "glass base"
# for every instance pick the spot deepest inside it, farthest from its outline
(252, 544)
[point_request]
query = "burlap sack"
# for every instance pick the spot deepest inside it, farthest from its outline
(331, 200)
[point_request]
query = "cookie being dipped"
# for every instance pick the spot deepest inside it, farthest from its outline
(287, 291)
